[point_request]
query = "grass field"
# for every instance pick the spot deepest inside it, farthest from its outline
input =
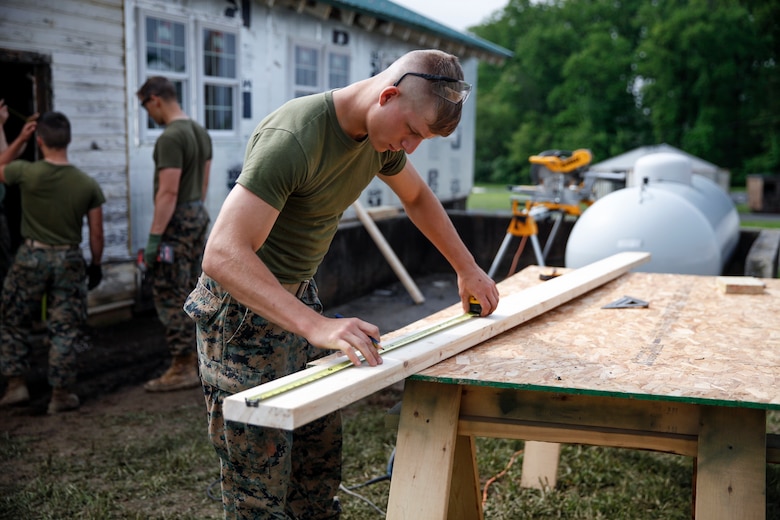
(140, 470)
(496, 197)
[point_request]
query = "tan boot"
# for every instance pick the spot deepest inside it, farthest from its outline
(62, 401)
(16, 392)
(182, 374)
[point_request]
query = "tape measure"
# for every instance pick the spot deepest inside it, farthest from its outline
(474, 311)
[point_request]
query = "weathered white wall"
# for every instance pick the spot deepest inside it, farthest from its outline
(84, 39)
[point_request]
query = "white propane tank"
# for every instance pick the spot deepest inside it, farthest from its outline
(685, 221)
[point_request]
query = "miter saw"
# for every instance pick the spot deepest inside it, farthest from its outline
(560, 188)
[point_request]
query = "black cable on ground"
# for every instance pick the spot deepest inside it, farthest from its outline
(380, 478)
(209, 489)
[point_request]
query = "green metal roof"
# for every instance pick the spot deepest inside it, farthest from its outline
(390, 12)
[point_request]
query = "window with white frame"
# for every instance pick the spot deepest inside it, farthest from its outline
(338, 70)
(208, 86)
(165, 54)
(318, 68)
(220, 79)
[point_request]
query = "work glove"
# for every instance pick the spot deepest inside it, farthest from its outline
(152, 249)
(94, 275)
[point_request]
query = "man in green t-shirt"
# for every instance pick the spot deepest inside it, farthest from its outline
(256, 304)
(182, 161)
(56, 196)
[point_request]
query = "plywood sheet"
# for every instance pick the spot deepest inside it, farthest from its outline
(298, 406)
(693, 343)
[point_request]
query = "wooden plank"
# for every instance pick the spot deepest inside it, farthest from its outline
(304, 404)
(425, 450)
(731, 464)
(465, 498)
(679, 444)
(740, 285)
(592, 411)
(540, 465)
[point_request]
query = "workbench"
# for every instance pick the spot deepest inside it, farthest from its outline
(694, 373)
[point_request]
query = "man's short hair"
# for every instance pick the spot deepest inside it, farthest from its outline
(158, 86)
(431, 61)
(54, 130)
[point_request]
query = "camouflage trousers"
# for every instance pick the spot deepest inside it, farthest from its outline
(172, 282)
(6, 249)
(60, 275)
(266, 473)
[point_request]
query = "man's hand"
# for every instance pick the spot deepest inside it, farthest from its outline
(152, 249)
(477, 284)
(28, 129)
(3, 112)
(352, 336)
(95, 275)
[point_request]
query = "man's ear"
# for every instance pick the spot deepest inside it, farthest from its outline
(387, 94)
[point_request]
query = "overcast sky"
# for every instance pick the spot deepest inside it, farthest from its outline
(458, 14)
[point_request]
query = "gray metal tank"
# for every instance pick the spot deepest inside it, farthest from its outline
(685, 221)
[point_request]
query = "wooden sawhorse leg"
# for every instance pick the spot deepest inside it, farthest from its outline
(731, 464)
(433, 465)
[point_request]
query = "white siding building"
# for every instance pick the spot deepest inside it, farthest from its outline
(234, 61)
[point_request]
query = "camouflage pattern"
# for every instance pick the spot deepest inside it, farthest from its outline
(6, 247)
(60, 275)
(266, 473)
(171, 283)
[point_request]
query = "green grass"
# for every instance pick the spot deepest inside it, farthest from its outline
(150, 466)
(496, 197)
(138, 466)
(489, 197)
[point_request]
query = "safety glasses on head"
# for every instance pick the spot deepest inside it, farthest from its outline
(453, 90)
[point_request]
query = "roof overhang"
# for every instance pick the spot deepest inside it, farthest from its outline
(389, 19)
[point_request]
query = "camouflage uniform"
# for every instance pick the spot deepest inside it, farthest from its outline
(261, 472)
(172, 282)
(6, 246)
(59, 273)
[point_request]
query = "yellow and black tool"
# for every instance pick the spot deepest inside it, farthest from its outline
(559, 192)
(474, 306)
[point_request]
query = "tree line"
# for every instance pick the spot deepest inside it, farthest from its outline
(612, 75)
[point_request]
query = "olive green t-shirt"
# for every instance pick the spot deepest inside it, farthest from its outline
(301, 162)
(184, 145)
(55, 199)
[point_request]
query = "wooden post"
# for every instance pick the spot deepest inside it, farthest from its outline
(424, 451)
(540, 465)
(731, 464)
(388, 253)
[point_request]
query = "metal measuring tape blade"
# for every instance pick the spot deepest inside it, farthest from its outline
(332, 369)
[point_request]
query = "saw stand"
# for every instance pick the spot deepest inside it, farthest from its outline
(523, 225)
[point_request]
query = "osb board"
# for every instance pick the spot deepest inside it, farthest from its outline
(693, 343)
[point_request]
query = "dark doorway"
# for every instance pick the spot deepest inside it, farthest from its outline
(26, 89)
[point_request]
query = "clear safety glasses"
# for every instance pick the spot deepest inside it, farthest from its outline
(453, 90)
